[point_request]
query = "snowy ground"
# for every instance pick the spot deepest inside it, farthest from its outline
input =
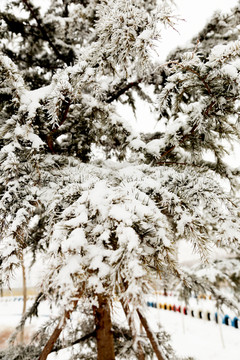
(190, 336)
(199, 338)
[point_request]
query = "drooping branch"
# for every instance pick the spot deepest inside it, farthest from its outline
(114, 96)
(28, 314)
(85, 337)
(205, 113)
(123, 87)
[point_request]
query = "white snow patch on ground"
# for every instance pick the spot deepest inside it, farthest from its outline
(198, 338)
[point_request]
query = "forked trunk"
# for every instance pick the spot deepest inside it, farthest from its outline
(104, 335)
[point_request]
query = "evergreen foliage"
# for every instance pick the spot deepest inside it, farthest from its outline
(101, 205)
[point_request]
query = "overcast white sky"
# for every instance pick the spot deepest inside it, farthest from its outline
(196, 14)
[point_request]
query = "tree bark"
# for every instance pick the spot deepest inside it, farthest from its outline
(150, 336)
(104, 335)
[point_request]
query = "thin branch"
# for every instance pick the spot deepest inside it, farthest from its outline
(207, 87)
(83, 338)
(182, 140)
(121, 91)
(44, 32)
(209, 108)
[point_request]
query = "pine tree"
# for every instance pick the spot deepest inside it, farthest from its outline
(101, 205)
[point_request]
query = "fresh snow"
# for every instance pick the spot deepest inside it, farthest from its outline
(230, 70)
(31, 99)
(198, 338)
(146, 34)
(27, 133)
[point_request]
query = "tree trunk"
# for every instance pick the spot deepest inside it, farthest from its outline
(151, 336)
(24, 287)
(104, 335)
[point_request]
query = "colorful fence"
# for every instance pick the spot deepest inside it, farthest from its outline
(15, 298)
(198, 313)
